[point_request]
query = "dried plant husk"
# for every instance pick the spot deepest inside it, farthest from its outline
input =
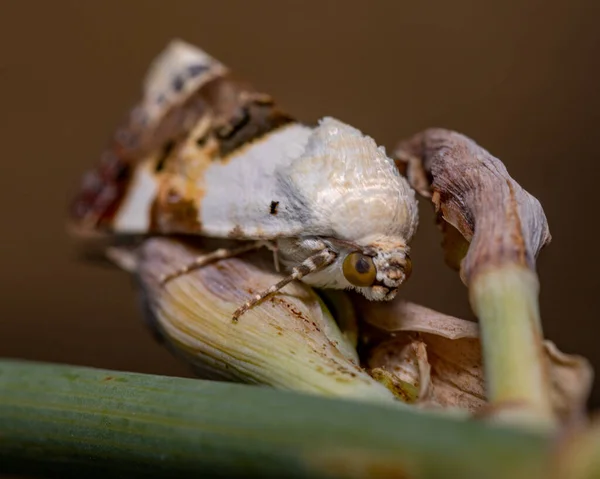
(472, 191)
(413, 354)
(290, 341)
(504, 228)
(441, 357)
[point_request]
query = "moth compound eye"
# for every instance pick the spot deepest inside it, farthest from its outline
(359, 269)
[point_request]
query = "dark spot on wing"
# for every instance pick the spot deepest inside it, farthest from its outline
(201, 141)
(243, 115)
(195, 70)
(234, 123)
(178, 83)
(274, 206)
(122, 172)
(166, 152)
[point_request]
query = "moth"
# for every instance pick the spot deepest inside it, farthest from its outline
(205, 154)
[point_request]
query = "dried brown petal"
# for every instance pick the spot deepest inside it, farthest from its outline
(453, 354)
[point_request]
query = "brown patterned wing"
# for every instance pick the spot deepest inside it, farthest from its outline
(193, 113)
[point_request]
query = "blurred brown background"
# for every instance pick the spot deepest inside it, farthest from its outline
(521, 78)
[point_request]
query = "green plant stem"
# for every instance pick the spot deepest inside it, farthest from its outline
(68, 421)
(505, 300)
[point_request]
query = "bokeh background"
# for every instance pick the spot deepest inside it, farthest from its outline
(521, 78)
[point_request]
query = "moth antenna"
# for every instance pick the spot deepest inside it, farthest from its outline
(216, 255)
(309, 265)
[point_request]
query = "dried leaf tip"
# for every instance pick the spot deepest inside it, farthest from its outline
(473, 192)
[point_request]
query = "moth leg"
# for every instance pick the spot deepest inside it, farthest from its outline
(216, 255)
(309, 265)
(275, 250)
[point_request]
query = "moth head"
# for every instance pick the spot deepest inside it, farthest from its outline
(366, 209)
(378, 270)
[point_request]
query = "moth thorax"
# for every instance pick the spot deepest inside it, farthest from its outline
(359, 214)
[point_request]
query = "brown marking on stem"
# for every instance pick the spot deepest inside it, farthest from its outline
(517, 231)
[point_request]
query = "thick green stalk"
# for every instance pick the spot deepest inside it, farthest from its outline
(79, 422)
(505, 300)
